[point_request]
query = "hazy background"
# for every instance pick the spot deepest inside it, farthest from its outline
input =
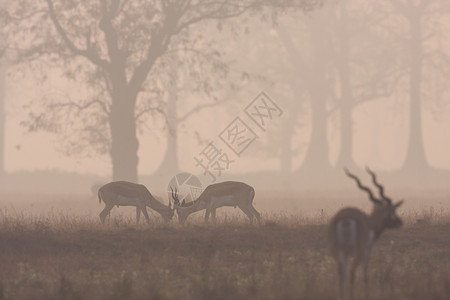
(135, 90)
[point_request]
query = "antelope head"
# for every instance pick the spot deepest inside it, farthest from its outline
(178, 206)
(384, 210)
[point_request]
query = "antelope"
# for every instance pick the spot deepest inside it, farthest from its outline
(124, 193)
(352, 233)
(228, 193)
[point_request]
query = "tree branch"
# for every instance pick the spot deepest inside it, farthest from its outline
(217, 13)
(89, 52)
(373, 95)
(112, 45)
(149, 109)
(78, 106)
(158, 45)
(201, 107)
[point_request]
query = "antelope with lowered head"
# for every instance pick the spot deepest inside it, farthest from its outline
(228, 193)
(124, 193)
(352, 233)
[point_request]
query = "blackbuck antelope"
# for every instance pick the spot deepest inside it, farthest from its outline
(229, 193)
(124, 193)
(352, 233)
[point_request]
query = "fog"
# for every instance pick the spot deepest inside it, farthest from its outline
(318, 130)
(281, 96)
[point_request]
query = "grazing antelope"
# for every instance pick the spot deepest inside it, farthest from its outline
(352, 233)
(228, 193)
(124, 193)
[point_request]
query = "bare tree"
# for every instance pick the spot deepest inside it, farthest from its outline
(366, 68)
(420, 16)
(355, 58)
(177, 90)
(119, 47)
(312, 72)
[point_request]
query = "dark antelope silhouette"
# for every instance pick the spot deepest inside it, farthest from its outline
(228, 193)
(352, 233)
(124, 193)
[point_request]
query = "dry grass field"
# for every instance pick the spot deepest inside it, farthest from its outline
(55, 253)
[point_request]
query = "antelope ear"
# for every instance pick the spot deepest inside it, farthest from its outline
(396, 205)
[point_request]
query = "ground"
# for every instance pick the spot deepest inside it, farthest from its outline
(46, 254)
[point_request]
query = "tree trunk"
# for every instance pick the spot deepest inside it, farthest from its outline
(415, 157)
(124, 142)
(313, 74)
(287, 135)
(316, 158)
(345, 158)
(376, 140)
(169, 164)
